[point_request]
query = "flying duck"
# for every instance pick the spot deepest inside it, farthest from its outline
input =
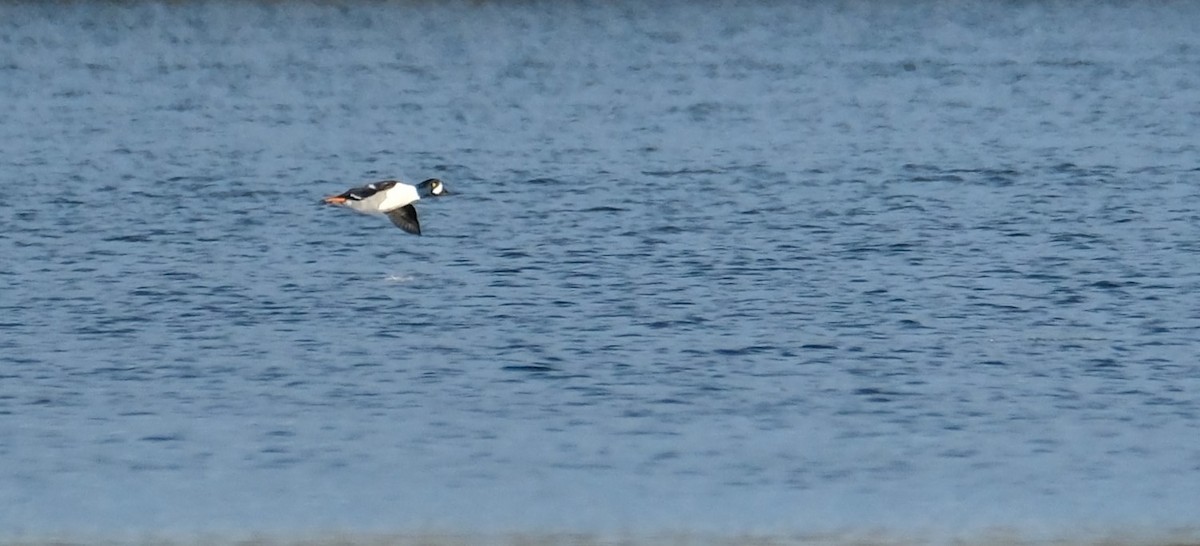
(391, 198)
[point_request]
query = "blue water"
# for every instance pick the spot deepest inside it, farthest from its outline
(718, 268)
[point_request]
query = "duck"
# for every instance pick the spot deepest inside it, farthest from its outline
(391, 198)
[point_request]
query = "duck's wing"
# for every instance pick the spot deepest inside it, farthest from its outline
(405, 218)
(363, 192)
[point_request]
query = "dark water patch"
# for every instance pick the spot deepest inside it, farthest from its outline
(746, 351)
(681, 172)
(103, 332)
(880, 248)
(1112, 285)
(536, 368)
(677, 323)
(132, 238)
(936, 178)
(1103, 363)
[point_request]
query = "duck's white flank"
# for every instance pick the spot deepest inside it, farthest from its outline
(396, 197)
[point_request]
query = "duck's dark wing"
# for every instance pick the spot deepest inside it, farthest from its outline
(363, 192)
(405, 218)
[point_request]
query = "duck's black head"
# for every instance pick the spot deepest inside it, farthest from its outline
(432, 188)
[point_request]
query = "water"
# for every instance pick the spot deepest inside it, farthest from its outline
(709, 267)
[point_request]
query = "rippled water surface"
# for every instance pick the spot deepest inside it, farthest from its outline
(708, 267)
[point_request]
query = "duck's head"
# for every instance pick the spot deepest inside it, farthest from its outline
(432, 188)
